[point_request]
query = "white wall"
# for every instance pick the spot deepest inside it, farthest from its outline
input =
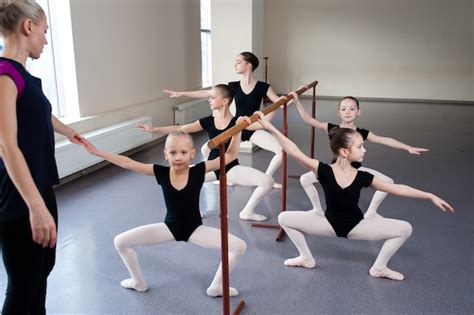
(236, 26)
(127, 52)
(410, 49)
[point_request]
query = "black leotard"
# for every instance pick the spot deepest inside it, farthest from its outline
(363, 132)
(343, 212)
(247, 104)
(207, 123)
(182, 206)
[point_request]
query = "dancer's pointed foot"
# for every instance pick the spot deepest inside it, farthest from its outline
(300, 262)
(215, 292)
(386, 273)
(131, 284)
(216, 182)
(252, 216)
(277, 186)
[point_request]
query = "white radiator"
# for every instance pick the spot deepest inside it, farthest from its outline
(191, 111)
(117, 138)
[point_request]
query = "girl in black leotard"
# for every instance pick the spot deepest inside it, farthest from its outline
(349, 111)
(181, 185)
(220, 100)
(249, 94)
(342, 184)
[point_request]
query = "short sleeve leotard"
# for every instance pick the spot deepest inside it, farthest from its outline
(247, 104)
(207, 123)
(342, 210)
(182, 206)
(35, 138)
(363, 132)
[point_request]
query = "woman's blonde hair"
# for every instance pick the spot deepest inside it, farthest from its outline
(13, 12)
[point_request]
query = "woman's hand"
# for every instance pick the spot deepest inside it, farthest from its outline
(43, 227)
(75, 137)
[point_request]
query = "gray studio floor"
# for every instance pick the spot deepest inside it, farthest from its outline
(437, 260)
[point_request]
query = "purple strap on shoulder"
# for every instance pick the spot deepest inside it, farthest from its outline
(7, 68)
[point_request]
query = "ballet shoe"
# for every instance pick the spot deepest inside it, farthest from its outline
(252, 217)
(130, 284)
(300, 262)
(386, 273)
(216, 182)
(277, 186)
(216, 292)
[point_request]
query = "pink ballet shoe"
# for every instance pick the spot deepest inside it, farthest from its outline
(277, 186)
(130, 284)
(386, 273)
(300, 262)
(216, 292)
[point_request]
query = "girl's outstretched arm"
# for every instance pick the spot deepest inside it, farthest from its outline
(391, 142)
(192, 94)
(408, 191)
(289, 146)
(307, 118)
(119, 160)
(189, 128)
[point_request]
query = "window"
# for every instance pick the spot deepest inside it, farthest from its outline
(44, 67)
(206, 43)
(56, 66)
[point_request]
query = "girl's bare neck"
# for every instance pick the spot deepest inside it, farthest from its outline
(248, 79)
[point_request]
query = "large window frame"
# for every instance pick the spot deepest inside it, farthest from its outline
(206, 43)
(56, 66)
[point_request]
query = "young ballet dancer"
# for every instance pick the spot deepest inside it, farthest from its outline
(28, 172)
(349, 111)
(249, 94)
(342, 184)
(220, 99)
(181, 185)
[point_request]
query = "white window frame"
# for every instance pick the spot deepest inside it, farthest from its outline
(206, 43)
(56, 66)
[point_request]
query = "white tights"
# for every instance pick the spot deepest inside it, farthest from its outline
(154, 234)
(248, 176)
(307, 180)
(266, 141)
(395, 232)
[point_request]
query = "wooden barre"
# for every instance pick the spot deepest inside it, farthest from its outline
(226, 135)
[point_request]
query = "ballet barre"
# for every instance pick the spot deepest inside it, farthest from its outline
(220, 141)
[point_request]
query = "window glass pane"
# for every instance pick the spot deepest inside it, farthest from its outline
(43, 67)
(206, 47)
(206, 14)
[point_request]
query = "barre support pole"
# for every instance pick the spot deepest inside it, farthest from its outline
(225, 236)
